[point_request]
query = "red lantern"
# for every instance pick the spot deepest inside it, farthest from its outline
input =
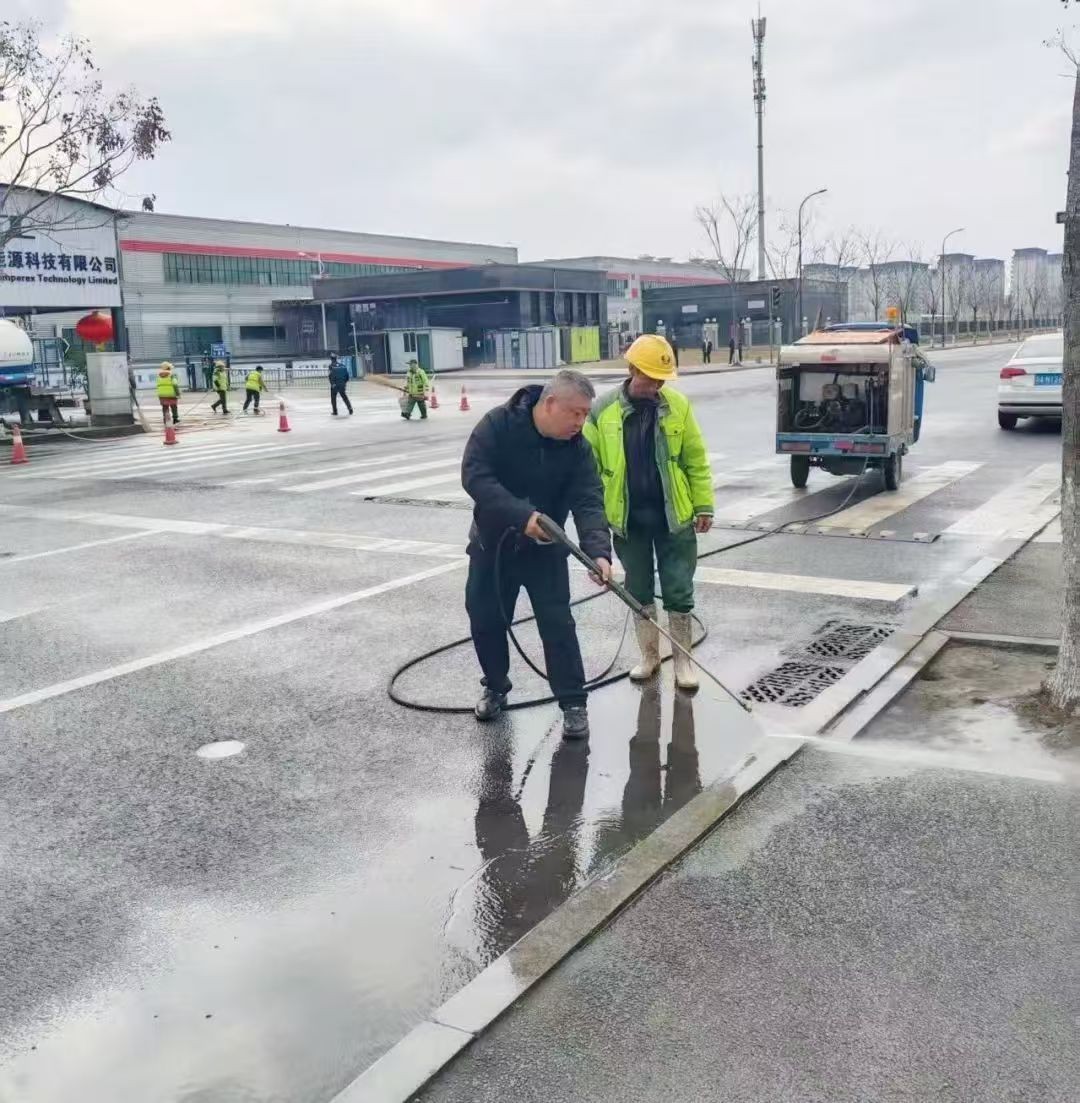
(97, 328)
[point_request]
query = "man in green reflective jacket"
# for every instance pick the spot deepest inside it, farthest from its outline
(657, 494)
(416, 389)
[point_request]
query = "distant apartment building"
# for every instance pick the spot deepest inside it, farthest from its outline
(1035, 284)
(627, 278)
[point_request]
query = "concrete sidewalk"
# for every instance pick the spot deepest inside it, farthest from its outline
(892, 918)
(857, 930)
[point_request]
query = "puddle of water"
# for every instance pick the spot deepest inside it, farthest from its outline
(972, 698)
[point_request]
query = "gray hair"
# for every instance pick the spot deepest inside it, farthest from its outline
(568, 381)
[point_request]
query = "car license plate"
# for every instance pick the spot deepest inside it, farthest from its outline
(1047, 379)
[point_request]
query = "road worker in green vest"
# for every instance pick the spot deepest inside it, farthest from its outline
(416, 391)
(254, 385)
(657, 494)
(168, 392)
(220, 383)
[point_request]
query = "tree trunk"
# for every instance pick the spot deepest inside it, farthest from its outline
(1064, 684)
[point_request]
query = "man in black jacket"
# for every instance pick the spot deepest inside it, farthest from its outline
(339, 377)
(525, 458)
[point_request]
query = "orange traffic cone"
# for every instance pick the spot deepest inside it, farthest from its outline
(282, 421)
(464, 403)
(18, 449)
(434, 403)
(170, 433)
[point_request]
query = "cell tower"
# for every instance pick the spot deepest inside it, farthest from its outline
(757, 26)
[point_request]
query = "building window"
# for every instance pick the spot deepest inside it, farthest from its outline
(409, 340)
(264, 271)
(618, 289)
(262, 333)
(193, 340)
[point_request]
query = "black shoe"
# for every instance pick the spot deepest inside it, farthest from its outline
(490, 705)
(575, 723)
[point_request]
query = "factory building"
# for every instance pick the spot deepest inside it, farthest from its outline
(628, 278)
(501, 315)
(196, 285)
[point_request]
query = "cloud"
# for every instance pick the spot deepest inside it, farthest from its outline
(595, 127)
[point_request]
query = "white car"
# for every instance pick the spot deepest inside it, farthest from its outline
(1030, 383)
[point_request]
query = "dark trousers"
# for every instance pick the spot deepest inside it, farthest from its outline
(731, 352)
(675, 350)
(337, 390)
(168, 404)
(251, 395)
(222, 401)
(417, 401)
(706, 354)
(546, 579)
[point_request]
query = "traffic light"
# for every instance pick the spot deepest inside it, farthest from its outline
(776, 300)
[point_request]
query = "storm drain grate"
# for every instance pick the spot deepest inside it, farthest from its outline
(793, 684)
(814, 666)
(837, 639)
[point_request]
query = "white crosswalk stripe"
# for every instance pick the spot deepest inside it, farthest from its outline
(368, 477)
(1001, 513)
(872, 511)
(390, 489)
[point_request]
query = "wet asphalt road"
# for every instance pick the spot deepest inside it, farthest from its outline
(262, 927)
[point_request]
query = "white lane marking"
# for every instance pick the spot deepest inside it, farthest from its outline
(365, 477)
(747, 473)
(349, 540)
(1051, 534)
(742, 509)
(149, 450)
(96, 677)
(326, 468)
(806, 584)
(249, 455)
(382, 491)
(76, 547)
(1006, 509)
(871, 511)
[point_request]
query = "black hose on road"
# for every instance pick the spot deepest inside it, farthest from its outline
(605, 677)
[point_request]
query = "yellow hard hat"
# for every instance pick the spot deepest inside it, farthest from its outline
(219, 363)
(166, 366)
(652, 356)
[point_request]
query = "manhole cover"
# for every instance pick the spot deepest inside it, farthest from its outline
(793, 684)
(837, 639)
(223, 748)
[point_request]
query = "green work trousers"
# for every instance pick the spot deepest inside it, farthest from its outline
(415, 400)
(673, 555)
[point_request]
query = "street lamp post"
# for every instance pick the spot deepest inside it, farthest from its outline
(958, 230)
(319, 261)
(799, 313)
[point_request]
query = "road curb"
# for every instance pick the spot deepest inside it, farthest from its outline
(430, 1046)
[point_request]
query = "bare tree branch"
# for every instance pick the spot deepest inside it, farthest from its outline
(64, 135)
(730, 226)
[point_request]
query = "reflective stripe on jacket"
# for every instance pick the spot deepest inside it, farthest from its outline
(254, 381)
(167, 387)
(416, 383)
(680, 456)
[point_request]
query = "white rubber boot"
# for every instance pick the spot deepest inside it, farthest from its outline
(681, 626)
(648, 638)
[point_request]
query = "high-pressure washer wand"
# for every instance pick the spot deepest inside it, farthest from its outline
(623, 594)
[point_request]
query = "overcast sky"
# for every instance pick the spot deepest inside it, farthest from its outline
(580, 127)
